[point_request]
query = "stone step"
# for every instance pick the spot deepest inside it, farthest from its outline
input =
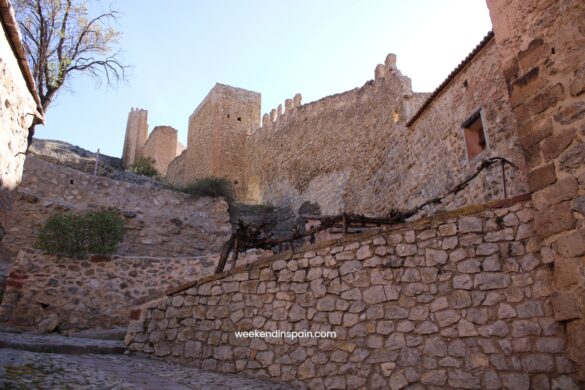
(59, 344)
(100, 334)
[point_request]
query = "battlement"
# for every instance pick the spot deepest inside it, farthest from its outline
(387, 72)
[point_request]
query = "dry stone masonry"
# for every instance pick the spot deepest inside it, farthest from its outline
(157, 222)
(460, 301)
(44, 292)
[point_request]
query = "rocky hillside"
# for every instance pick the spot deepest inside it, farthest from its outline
(72, 156)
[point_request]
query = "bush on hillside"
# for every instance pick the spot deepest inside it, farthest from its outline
(145, 166)
(214, 187)
(67, 234)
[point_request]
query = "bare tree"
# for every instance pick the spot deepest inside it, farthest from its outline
(61, 39)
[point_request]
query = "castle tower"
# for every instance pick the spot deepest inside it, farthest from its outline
(163, 147)
(136, 135)
(217, 135)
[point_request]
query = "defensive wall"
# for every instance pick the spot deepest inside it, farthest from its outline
(161, 145)
(368, 150)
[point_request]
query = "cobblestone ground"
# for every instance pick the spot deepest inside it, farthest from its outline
(31, 370)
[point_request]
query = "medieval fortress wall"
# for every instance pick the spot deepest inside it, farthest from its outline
(356, 151)
(161, 145)
(136, 135)
(218, 129)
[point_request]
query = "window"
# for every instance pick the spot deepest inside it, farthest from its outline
(474, 133)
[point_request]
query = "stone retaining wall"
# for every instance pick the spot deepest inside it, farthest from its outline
(459, 300)
(45, 292)
(158, 222)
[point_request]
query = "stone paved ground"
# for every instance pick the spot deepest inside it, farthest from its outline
(31, 370)
(58, 344)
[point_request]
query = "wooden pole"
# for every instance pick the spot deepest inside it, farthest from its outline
(225, 253)
(97, 162)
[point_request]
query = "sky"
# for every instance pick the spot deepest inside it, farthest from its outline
(179, 50)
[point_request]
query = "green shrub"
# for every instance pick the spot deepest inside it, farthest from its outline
(145, 166)
(97, 232)
(214, 187)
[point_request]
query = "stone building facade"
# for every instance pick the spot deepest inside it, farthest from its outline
(20, 107)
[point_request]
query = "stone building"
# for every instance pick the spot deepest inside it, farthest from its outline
(20, 108)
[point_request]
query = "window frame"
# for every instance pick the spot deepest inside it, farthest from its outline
(477, 114)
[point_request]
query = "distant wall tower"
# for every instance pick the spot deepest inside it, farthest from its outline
(136, 135)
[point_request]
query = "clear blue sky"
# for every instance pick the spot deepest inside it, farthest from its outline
(180, 48)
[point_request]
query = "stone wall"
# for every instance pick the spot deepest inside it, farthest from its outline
(18, 111)
(162, 146)
(354, 152)
(98, 292)
(460, 300)
(543, 61)
(158, 222)
(325, 152)
(217, 136)
(176, 170)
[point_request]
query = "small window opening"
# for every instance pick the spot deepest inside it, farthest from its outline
(228, 115)
(239, 119)
(235, 182)
(465, 84)
(475, 140)
(71, 181)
